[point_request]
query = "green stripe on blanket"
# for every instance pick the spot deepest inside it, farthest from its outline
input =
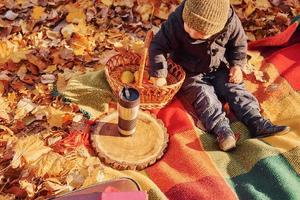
(271, 178)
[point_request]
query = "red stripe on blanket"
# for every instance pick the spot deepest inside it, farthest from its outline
(287, 61)
(202, 190)
(174, 117)
(186, 165)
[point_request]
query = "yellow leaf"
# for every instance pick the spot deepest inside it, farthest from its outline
(28, 149)
(24, 107)
(55, 118)
(250, 9)
(76, 14)
(54, 185)
(51, 164)
(4, 109)
(7, 135)
(28, 187)
(12, 51)
(80, 44)
(95, 177)
(68, 30)
(236, 2)
(162, 12)
(50, 69)
(255, 59)
(11, 98)
(7, 197)
(126, 3)
(37, 13)
(263, 4)
(107, 2)
(75, 179)
(145, 10)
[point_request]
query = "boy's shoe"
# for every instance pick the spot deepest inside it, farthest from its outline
(264, 128)
(226, 139)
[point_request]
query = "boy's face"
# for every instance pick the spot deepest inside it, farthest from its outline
(197, 35)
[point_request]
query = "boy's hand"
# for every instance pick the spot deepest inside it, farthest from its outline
(158, 81)
(235, 75)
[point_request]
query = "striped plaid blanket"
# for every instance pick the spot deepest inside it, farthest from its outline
(194, 168)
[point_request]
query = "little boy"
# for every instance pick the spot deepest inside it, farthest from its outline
(207, 39)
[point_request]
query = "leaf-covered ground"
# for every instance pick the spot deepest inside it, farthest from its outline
(43, 44)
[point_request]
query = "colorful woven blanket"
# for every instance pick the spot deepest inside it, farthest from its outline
(194, 168)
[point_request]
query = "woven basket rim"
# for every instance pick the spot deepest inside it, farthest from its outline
(169, 86)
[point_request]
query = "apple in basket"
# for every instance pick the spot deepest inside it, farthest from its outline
(145, 77)
(127, 77)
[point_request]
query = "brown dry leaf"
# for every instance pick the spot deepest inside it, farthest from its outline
(28, 149)
(17, 191)
(36, 61)
(38, 12)
(57, 60)
(2, 88)
(30, 188)
(61, 83)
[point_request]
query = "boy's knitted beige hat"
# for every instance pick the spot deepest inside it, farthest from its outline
(207, 16)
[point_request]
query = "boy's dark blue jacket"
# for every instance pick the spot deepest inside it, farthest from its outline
(197, 56)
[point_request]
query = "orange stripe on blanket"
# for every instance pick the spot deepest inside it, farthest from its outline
(185, 162)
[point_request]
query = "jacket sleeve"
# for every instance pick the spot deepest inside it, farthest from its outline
(237, 44)
(163, 42)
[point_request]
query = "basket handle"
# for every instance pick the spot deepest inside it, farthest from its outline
(147, 43)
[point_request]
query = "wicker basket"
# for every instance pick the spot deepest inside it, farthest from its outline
(151, 96)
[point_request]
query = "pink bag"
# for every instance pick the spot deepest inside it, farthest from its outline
(120, 189)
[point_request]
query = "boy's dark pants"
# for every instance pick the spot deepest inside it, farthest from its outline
(203, 91)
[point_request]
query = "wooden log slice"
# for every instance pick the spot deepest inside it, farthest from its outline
(135, 152)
